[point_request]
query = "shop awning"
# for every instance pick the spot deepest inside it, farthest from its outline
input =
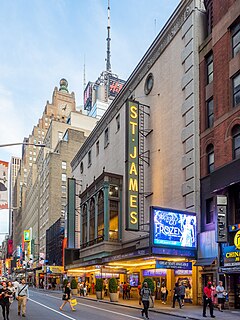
(205, 262)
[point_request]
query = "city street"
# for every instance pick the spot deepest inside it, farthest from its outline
(46, 306)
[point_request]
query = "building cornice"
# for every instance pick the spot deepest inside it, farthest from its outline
(166, 35)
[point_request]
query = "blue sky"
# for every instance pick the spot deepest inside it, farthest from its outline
(43, 41)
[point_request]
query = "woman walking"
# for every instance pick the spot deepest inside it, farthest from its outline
(5, 294)
(67, 297)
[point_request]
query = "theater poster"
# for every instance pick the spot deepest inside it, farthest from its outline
(3, 184)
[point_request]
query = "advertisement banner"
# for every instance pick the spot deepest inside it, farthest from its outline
(115, 85)
(87, 96)
(3, 184)
(221, 230)
(132, 166)
(174, 228)
(154, 273)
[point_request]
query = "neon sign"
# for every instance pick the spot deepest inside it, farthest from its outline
(132, 166)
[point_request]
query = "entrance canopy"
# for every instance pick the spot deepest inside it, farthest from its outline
(205, 262)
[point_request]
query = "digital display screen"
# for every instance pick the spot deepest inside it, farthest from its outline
(134, 279)
(174, 228)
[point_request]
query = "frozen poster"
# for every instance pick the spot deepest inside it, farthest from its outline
(174, 228)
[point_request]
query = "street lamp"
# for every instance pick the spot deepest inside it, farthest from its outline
(24, 144)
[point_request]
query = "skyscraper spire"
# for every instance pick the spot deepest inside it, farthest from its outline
(108, 63)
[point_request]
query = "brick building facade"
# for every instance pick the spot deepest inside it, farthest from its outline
(220, 145)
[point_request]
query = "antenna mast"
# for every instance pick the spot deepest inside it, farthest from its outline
(108, 63)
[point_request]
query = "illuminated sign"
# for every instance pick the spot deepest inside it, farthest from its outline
(154, 273)
(26, 235)
(132, 166)
(237, 240)
(162, 264)
(3, 184)
(231, 256)
(173, 228)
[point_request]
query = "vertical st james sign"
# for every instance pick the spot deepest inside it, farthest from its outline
(132, 165)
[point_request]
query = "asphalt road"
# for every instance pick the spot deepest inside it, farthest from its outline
(45, 306)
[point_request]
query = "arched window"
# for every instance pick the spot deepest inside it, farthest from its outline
(210, 158)
(100, 214)
(84, 224)
(236, 141)
(92, 220)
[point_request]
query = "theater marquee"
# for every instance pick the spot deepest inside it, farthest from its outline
(132, 166)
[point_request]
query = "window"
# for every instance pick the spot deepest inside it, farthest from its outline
(209, 17)
(210, 158)
(236, 90)
(100, 215)
(113, 191)
(210, 113)
(92, 220)
(148, 84)
(89, 157)
(64, 189)
(209, 64)
(118, 123)
(64, 165)
(106, 138)
(209, 210)
(60, 135)
(64, 177)
(97, 148)
(236, 141)
(236, 40)
(81, 167)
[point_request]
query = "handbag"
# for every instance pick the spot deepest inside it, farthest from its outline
(73, 302)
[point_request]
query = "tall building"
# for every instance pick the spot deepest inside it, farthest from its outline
(14, 168)
(98, 95)
(139, 168)
(38, 191)
(219, 248)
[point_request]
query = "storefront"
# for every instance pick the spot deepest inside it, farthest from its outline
(50, 277)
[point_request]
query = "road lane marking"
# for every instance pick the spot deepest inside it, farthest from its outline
(64, 315)
(87, 305)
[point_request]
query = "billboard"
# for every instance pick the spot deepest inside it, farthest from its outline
(132, 166)
(87, 96)
(173, 228)
(3, 184)
(115, 85)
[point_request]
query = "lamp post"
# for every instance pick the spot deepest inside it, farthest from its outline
(23, 143)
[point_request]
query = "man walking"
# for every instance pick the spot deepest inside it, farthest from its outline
(182, 293)
(22, 296)
(145, 295)
(220, 296)
(207, 300)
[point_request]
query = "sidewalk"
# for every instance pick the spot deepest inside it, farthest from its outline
(188, 311)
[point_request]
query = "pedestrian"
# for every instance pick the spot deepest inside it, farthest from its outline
(146, 294)
(12, 290)
(5, 294)
(214, 295)
(207, 300)
(121, 290)
(124, 291)
(78, 288)
(67, 297)
(22, 296)
(220, 296)
(128, 291)
(15, 284)
(182, 293)
(164, 293)
(176, 295)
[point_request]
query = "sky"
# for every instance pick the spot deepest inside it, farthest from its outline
(43, 41)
